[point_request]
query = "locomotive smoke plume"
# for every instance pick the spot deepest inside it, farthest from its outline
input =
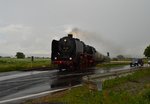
(96, 40)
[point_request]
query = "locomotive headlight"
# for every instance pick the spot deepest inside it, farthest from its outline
(65, 40)
(55, 58)
(70, 58)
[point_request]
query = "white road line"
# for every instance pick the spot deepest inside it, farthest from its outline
(29, 96)
(35, 95)
(20, 75)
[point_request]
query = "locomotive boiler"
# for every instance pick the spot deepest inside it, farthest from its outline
(71, 53)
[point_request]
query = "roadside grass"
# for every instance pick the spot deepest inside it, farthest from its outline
(134, 77)
(13, 64)
(112, 93)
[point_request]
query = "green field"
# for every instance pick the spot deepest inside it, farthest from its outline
(12, 64)
(132, 89)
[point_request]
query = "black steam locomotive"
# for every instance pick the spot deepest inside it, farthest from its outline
(71, 53)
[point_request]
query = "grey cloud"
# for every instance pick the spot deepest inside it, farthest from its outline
(118, 26)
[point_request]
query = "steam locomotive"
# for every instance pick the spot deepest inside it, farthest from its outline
(72, 54)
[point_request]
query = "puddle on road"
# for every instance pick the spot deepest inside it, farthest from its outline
(65, 81)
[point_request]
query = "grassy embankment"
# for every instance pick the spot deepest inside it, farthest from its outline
(11, 64)
(132, 89)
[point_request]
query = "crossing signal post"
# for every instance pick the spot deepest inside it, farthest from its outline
(108, 54)
(32, 60)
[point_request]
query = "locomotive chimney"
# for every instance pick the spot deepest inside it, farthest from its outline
(70, 35)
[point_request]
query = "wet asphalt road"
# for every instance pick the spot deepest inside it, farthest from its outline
(18, 84)
(24, 83)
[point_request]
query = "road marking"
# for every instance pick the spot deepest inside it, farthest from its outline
(35, 95)
(23, 74)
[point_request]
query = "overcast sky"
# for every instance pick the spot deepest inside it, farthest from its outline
(115, 26)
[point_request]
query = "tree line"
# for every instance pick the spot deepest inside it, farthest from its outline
(147, 52)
